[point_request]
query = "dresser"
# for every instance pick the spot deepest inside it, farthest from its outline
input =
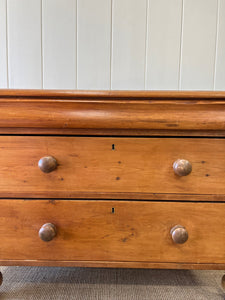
(112, 179)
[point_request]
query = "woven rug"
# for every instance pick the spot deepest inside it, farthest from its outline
(126, 284)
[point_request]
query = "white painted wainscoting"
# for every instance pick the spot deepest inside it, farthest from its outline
(112, 44)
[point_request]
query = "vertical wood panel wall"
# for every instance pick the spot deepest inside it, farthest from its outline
(24, 44)
(199, 44)
(128, 44)
(93, 44)
(112, 44)
(3, 46)
(163, 44)
(220, 48)
(59, 44)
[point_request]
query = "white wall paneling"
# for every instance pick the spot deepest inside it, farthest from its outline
(24, 43)
(94, 44)
(59, 43)
(3, 45)
(112, 44)
(199, 44)
(163, 44)
(128, 44)
(220, 60)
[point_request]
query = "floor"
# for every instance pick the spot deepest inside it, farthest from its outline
(23, 283)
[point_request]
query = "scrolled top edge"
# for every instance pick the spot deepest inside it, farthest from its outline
(105, 94)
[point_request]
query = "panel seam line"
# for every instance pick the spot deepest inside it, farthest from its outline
(181, 46)
(216, 45)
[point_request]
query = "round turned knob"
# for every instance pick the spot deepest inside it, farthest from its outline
(47, 164)
(179, 234)
(182, 167)
(47, 232)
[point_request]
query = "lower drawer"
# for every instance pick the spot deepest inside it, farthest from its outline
(112, 231)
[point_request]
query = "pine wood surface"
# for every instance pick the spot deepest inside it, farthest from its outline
(111, 167)
(112, 264)
(112, 146)
(110, 113)
(89, 231)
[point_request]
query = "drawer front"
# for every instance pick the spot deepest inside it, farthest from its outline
(112, 231)
(122, 168)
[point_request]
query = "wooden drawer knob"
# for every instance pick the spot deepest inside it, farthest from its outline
(182, 167)
(47, 232)
(179, 234)
(47, 164)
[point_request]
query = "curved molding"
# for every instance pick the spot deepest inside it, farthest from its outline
(112, 113)
(76, 94)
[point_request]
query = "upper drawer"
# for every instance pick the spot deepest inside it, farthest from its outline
(134, 168)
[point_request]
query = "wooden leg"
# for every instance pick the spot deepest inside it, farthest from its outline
(223, 282)
(1, 278)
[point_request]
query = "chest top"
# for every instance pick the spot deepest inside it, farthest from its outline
(114, 113)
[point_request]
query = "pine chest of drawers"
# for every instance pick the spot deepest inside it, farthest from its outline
(112, 179)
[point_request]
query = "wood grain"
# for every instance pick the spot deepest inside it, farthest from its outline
(101, 167)
(110, 232)
(146, 113)
(89, 231)
(132, 95)
(112, 264)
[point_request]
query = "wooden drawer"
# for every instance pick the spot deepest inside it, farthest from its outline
(112, 231)
(116, 168)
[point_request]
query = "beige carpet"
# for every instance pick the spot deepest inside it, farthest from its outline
(85, 283)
